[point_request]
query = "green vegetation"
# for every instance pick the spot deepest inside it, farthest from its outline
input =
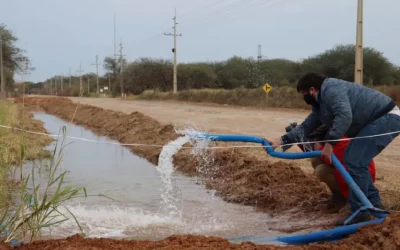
(12, 115)
(32, 196)
(13, 57)
(237, 73)
(282, 97)
(38, 200)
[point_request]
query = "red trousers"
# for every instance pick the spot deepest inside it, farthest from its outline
(339, 150)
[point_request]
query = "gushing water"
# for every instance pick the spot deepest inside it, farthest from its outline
(171, 196)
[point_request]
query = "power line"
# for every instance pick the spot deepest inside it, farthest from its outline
(259, 9)
(224, 16)
(164, 26)
(218, 11)
(175, 77)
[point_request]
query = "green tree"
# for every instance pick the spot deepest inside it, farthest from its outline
(13, 57)
(236, 72)
(112, 66)
(280, 72)
(339, 62)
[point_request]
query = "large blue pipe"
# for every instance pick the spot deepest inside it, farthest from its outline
(301, 239)
(284, 155)
(332, 234)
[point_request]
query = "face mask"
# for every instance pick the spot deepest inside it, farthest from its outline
(310, 100)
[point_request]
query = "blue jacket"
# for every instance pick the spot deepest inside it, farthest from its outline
(344, 107)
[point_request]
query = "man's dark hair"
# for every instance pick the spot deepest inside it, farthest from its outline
(310, 80)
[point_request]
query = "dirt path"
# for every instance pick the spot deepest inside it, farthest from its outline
(215, 118)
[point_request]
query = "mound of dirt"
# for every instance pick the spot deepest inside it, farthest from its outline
(235, 175)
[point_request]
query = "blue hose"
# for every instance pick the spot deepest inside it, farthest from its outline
(301, 239)
(324, 235)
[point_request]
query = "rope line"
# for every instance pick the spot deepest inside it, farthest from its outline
(207, 147)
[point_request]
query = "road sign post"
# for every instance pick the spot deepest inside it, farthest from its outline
(267, 88)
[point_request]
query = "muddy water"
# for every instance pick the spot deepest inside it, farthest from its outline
(139, 212)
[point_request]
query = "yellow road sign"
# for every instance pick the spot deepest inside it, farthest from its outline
(267, 87)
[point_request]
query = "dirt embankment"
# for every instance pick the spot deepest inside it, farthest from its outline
(378, 237)
(235, 175)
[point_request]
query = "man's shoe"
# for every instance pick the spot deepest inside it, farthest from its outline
(380, 206)
(329, 200)
(332, 200)
(337, 205)
(363, 217)
(334, 203)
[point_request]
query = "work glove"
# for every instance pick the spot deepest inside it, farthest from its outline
(291, 126)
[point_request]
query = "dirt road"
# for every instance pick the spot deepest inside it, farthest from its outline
(228, 119)
(215, 118)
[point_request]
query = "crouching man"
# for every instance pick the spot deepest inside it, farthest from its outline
(324, 170)
(354, 111)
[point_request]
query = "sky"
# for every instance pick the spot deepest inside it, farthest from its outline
(59, 35)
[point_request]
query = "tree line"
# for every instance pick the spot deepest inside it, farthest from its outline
(236, 72)
(146, 73)
(14, 59)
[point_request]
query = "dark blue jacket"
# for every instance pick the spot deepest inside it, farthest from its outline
(344, 107)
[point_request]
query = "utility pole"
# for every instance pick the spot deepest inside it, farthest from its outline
(62, 84)
(358, 71)
(51, 86)
(175, 77)
(25, 75)
(55, 84)
(109, 82)
(259, 55)
(121, 62)
(80, 78)
(115, 38)
(88, 85)
(3, 84)
(69, 77)
(97, 73)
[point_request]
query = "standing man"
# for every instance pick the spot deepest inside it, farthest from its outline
(351, 110)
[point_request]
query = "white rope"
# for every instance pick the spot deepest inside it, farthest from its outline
(211, 147)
